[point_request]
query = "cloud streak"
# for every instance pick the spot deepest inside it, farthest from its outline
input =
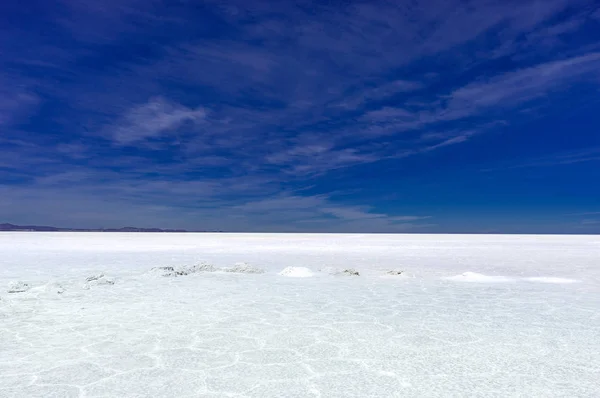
(559, 159)
(158, 117)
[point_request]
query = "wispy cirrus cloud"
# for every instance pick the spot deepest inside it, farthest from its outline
(558, 159)
(153, 119)
(298, 152)
(320, 209)
(514, 88)
(494, 94)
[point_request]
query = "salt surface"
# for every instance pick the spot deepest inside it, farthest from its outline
(48, 289)
(243, 268)
(296, 272)
(550, 279)
(200, 333)
(476, 277)
(340, 271)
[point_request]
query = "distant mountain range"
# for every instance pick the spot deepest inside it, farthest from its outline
(41, 228)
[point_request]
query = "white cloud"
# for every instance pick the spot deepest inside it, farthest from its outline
(153, 119)
(314, 159)
(321, 209)
(352, 213)
(563, 158)
(498, 93)
(516, 87)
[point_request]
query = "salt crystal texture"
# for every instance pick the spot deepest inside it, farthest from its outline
(520, 322)
(243, 268)
(296, 272)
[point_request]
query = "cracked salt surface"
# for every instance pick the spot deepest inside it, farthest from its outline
(478, 316)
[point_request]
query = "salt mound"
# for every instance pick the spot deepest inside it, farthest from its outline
(194, 269)
(296, 272)
(243, 268)
(475, 277)
(18, 287)
(167, 272)
(162, 272)
(341, 272)
(98, 279)
(550, 279)
(395, 273)
(350, 272)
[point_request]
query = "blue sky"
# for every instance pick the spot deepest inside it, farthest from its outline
(337, 116)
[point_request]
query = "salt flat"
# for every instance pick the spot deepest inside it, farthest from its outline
(488, 315)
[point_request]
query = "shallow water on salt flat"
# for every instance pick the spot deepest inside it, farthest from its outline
(482, 316)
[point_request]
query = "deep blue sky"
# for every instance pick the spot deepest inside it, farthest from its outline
(352, 116)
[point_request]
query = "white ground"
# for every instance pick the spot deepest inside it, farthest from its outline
(476, 316)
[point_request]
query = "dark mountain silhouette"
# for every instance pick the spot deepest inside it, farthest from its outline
(42, 228)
